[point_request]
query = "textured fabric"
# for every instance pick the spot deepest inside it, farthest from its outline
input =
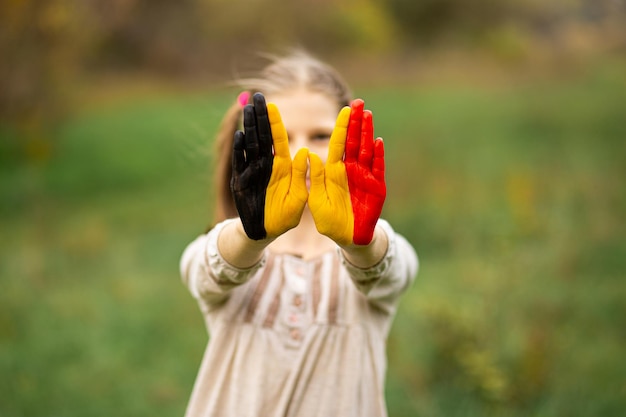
(290, 337)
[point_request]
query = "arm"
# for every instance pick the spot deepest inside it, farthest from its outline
(346, 200)
(269, 190)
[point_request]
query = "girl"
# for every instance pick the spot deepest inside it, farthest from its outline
(299, 280)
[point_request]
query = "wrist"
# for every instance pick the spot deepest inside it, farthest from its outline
(365, 256)
(241, 234)
(237, 248)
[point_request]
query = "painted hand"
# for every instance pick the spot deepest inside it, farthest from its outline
(252, 167)
(365, 166)
(269, 190)
(347, 194)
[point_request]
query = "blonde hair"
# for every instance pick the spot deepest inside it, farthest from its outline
(295, 70)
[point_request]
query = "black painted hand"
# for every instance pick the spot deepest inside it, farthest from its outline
(252, 167)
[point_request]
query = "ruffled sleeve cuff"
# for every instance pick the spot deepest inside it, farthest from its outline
(215, 275)
(366, 278)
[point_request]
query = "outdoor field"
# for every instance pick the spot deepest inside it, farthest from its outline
(512, 194)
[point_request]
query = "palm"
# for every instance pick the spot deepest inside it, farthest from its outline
(269, 190)
(329, 199)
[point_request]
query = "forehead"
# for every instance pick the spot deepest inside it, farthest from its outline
(305, 109)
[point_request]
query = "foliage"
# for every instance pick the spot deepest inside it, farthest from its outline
(49, 45)
(513, 197)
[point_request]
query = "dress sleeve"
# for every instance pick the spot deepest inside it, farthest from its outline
(207, 275)
(383, 283)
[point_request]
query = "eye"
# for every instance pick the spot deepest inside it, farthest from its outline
(320, 136)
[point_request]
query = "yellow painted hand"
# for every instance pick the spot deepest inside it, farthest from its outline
(329, 198)
(286, 192)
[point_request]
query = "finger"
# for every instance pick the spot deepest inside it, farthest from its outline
(317, 195)
(366, 152)
(263, 125)
(279, 133)
(353, 140)
(239, 159)
(251, 137)
(378, 164)
(298, 176)
(337, 144)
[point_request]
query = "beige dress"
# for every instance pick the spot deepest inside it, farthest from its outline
(290, 337)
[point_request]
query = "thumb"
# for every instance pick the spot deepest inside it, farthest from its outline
(318, 187)
(298, 175)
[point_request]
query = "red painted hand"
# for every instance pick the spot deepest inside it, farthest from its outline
(365, 168)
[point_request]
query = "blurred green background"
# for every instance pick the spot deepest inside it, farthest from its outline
(505, 127)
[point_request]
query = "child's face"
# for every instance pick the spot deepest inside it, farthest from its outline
(309, 118)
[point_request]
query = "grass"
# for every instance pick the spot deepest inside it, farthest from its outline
(512, 196)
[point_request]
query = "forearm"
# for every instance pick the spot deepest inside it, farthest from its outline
(368, 255)
(237, 248)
